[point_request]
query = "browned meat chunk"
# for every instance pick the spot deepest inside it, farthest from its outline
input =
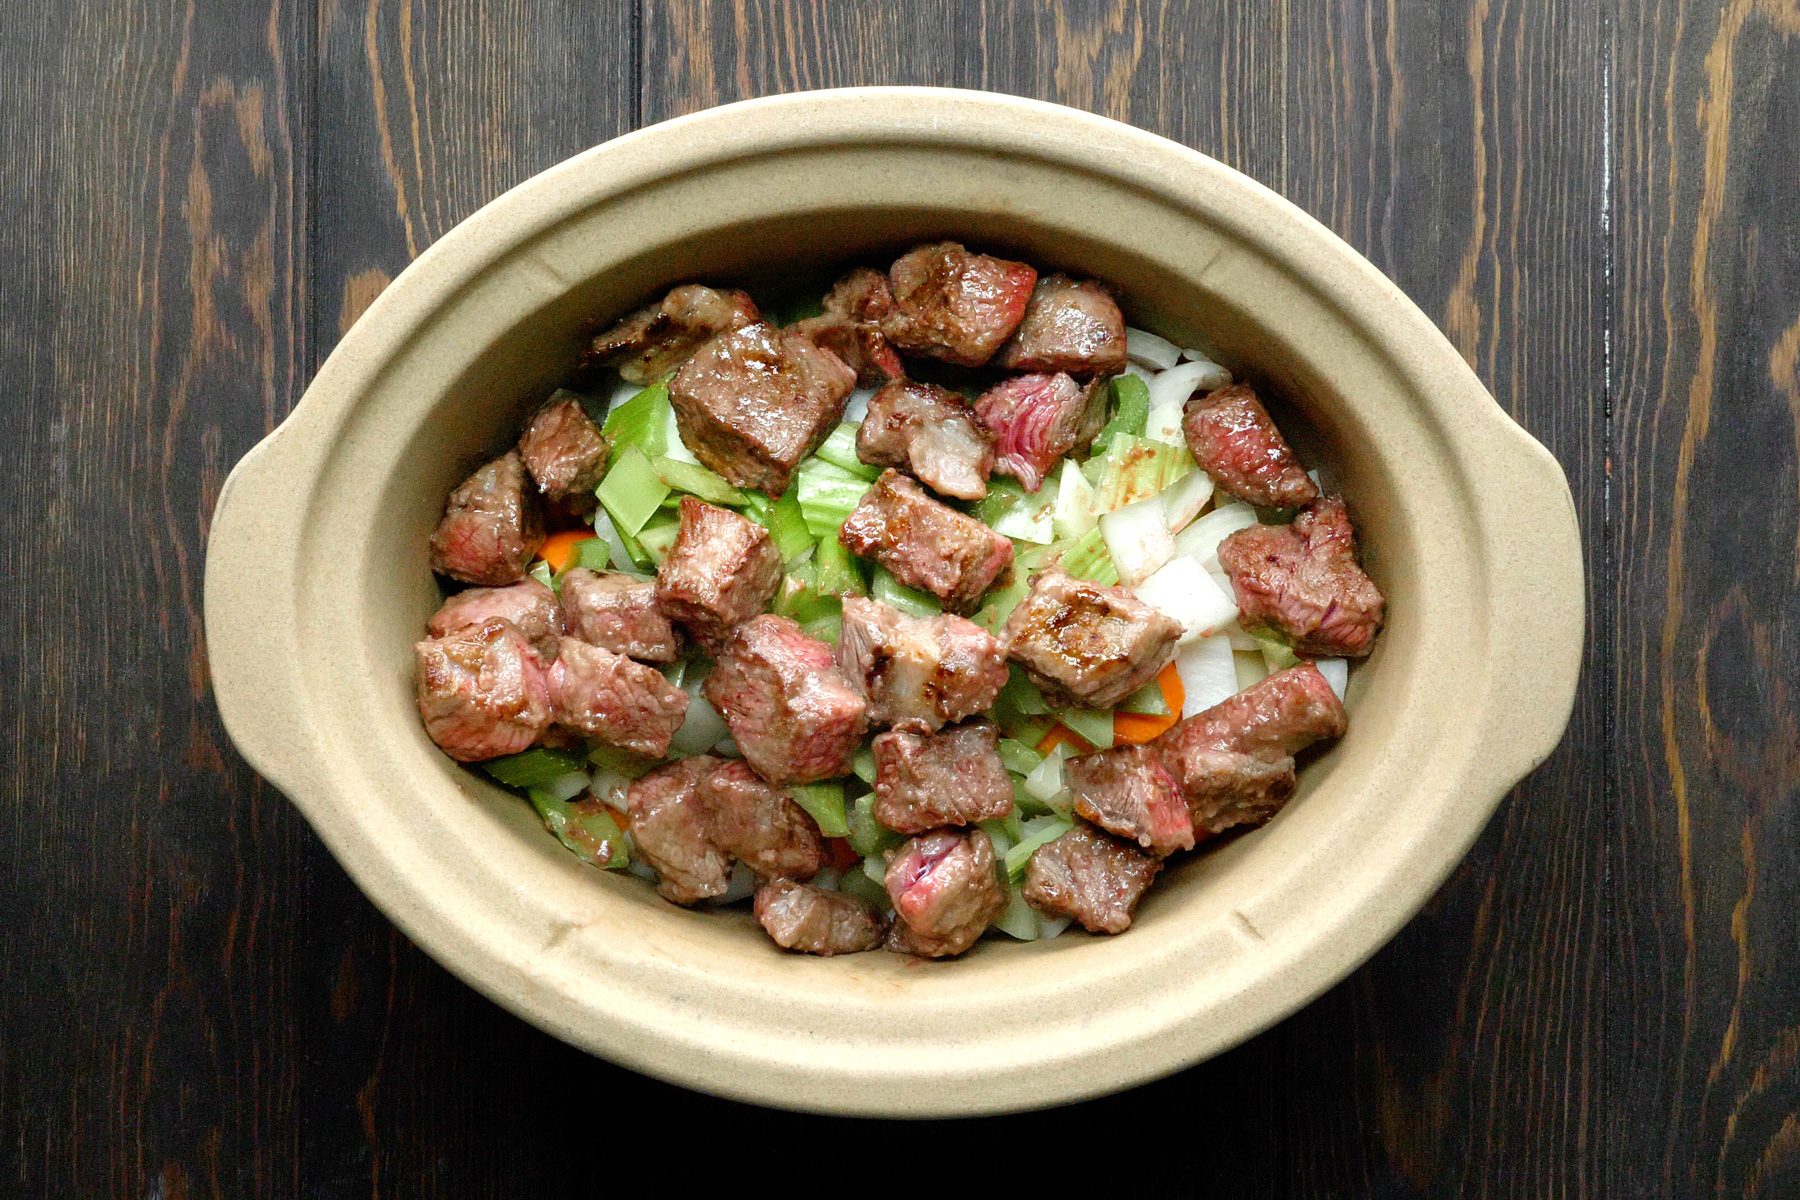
(528, 604)
(612, 698)
(491, 526)
(932, 432)
(1302, 580)
(946, 893)
(1236, 443)
(721, 570)
(563, 449)
(1091, 876)
(1128, 791)
(918, 673)
(1071, 325)
(482, 691)
(760, 825)
(814, 921)
(618, 612)
(656, 339)
(954, 305)
(850, 326)
(1036, 420)
(1235, 761)
(1087, 645)
(668, 822)
(794, 717)
(752, 403)
(927, 780)
(926, 543)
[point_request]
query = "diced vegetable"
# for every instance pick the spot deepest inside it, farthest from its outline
(1131, 404)
(1037, 832)
(1094, 726)
(1010, 510)
(540, 571)
(1138, 539)
(827, 493)
(617, 554)
(567, 787)
(1208, 670)
(533, 768)
(1074, 514)
(1169, 393)
(1088, 558)
(1000, 603)
(997, 835)
(857, 406)
(696, 480)
(824, 802)
(1145, 348)
(632, 491)
(1019, 920)
(1184, 591)
(658, 537)
(587, 828)
(673, 447)
(1045, 782)
(1183, 499)
(1017, 757)
(1336, 672)
(787, 526)
(699, 729)
(1200, 541)
(558, 548)
(839, 449)
(1277, 653)
(840, 573)
(863, 765)
(641, 423)
(913, 603)
(1251, 669)
(826, 627)
(1136, 728)
(1147, 701)
(856, 883)
(624, 762)
(800, 598)
(1133, 469)
(868, 837)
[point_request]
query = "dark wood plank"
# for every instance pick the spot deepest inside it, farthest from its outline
(154, 329)
(1705, 960)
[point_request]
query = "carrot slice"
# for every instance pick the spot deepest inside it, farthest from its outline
(559, 548)
(1133, 729)
(1062, 735)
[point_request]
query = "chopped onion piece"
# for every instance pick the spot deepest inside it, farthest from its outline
(1184, 499)
(1169, 393)
(610, 785)
(857, 407)
(1137, 537)
(1142, 346)
(1234, 633)
(1049, 927)
(1046, 779)
(615, 545)
(677, 449)
(1132, 368)
(1020, 920)
(1208, 670)
(701, 729)
(1336, 672)
(1184, 591)
(1200, 541)
(566, 787)
(1074, 513)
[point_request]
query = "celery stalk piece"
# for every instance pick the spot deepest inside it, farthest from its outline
(1045, 782)
(910, 601)
(856, 883)
(827, 494)
(641, 423)
(1010, 510)
(839, 449)
(864, 765)
(824, 803)
(1023, 694)
(1038, 832)
(1092, 725)
(1147, 700)
(696, 480)
(1089, 559)
(540, 571)
(1000, 603)
(631, 492)
(1019, 920)
(624, 762)
(587, 828)
(1131, 404)
(840, 572)
(659, 535)
(827, 627)
(1017, 757)
(1276, 652)
(787, 526)
(593, 553)
(533, 768)
(868, 837)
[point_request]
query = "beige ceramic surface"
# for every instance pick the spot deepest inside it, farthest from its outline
(317, 584)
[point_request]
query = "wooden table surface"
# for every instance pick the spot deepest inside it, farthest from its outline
(1598, 201)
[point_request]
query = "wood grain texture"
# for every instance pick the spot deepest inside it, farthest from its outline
(1597, 202)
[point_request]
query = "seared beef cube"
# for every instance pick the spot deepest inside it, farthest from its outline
(563, 449)
(482, 691)
(1036, 420)
(612, 698)
(618, 612)
(954, 305)
(528, 604)
(721, 570)
(931, 432)
(850, 326)
(946, 892)
(862, 295)
(927, 780)
(926, 543)
(760, 825)
(814, 921)
(1236, 443)
(1090, 876)
(491, 527)
(672, 832)
(1071, 325)
(752, 403)
(1087, 645)
(918, 673)
(1128, 791)
(658, 338)
(794, 717)
(1302, 580)
(1234, 762)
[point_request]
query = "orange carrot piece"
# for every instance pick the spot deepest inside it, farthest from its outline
(1136, 728)
(1060, 735)
(559, 548)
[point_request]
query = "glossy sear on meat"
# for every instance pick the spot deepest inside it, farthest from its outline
(752, 403)
(656, 339)
(482, 691)
(850, 326)
(946, 892)
(618, 612)
(528, 604)
(1091, 876)
(1129, 792)
(564, 450)
(918, 673)
(1071, 325)
(1302, 580)
(491, 527)
(925, 543)
(931, 432)
(928, 780)
(1235, 441)
(794, 716)
(812, 920)
(615, 699)
(954, 305)
(759, 824)
(672, 832)
(1086, 645)
(722, 569)
(1038, 419)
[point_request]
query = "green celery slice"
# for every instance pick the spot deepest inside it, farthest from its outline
(868, 837)
(631, 492)
(839, 449)
(827, 495)
(1019, 856)
(1092, 725)
(910, 601)
(698, 481)
(642, 422)
(659, 535)
(588, 828)
(839, 571)
(627, 763)
(1017, 757)
(856, 883)
(540, 571)
(787, 526)
(1089, 559)
(824, 802)
(1147, 700)
(1131, 405)
(1018, 514)
(534, 767)
(1001, 602)
(864, 765)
